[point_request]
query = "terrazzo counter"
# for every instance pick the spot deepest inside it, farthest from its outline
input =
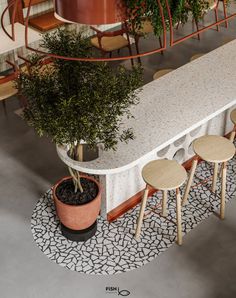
(192, 100)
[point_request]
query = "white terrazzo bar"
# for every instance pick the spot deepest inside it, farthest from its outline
(191, 101)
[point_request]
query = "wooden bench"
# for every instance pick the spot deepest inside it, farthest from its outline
(43, 22)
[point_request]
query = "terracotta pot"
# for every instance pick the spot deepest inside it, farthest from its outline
(78, 217)
(91, 12)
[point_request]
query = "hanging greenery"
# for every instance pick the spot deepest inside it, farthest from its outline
(181, 10)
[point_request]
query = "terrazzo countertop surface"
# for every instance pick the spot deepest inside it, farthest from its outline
(171, 107)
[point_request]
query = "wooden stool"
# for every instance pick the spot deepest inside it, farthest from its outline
(214, 149)
(163, 175)
(6, 91)
(161, 73)
(233, 119)
(226, 40)
(196, 56)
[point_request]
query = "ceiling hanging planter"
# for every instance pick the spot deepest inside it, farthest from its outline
(91, 12)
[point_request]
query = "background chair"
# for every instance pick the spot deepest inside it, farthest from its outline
(161, 73)
(212, 6)
(110, 41)
(215, 150)
(145, 29)
(7, 86)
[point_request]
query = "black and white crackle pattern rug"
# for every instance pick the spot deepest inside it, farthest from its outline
(113, 249)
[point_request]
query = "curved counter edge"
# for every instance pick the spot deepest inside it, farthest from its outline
(85, 167)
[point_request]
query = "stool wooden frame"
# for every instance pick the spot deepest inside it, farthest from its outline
(160, 73)
(163, 175)
(213, 149)
(145, 29)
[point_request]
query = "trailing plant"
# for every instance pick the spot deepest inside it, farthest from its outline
(72, 101)
(138, 10)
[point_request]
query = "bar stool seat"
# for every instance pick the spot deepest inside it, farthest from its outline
(214, 149)
(163, 175)
(7, 90)
(196, 56)
(161, 73)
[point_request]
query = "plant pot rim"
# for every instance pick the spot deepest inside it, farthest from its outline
(62, 151)
(75, 206)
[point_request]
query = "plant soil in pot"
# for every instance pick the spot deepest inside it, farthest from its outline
(77, 211)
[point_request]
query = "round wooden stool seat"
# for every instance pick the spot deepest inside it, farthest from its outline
(227, 39)
(164, 174)
(218, 150)
(213, 148)
(233, 116)
(7, 89)
(196, 56)
(161, 73)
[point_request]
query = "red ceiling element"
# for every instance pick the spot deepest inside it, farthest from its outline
(91, 12)
(173, 41)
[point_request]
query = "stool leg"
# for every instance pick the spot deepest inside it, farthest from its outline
(141, 213)
(216, 18)
(215, 174)
(164, 201)
(232, 136)
(225, 12)
(196, 22)
(178, 216)
(190, 180)
(160, 42)
(223, 188)
(4, 106)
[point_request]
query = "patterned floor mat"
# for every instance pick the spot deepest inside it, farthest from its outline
(113, 249)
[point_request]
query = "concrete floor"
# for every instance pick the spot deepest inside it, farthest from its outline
(204, 267)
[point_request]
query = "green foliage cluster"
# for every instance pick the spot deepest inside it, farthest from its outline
(180, 12)
(70, 101)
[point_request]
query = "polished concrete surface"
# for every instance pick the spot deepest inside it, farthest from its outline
(204, 267)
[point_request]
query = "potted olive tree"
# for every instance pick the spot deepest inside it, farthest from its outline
(77, 103)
